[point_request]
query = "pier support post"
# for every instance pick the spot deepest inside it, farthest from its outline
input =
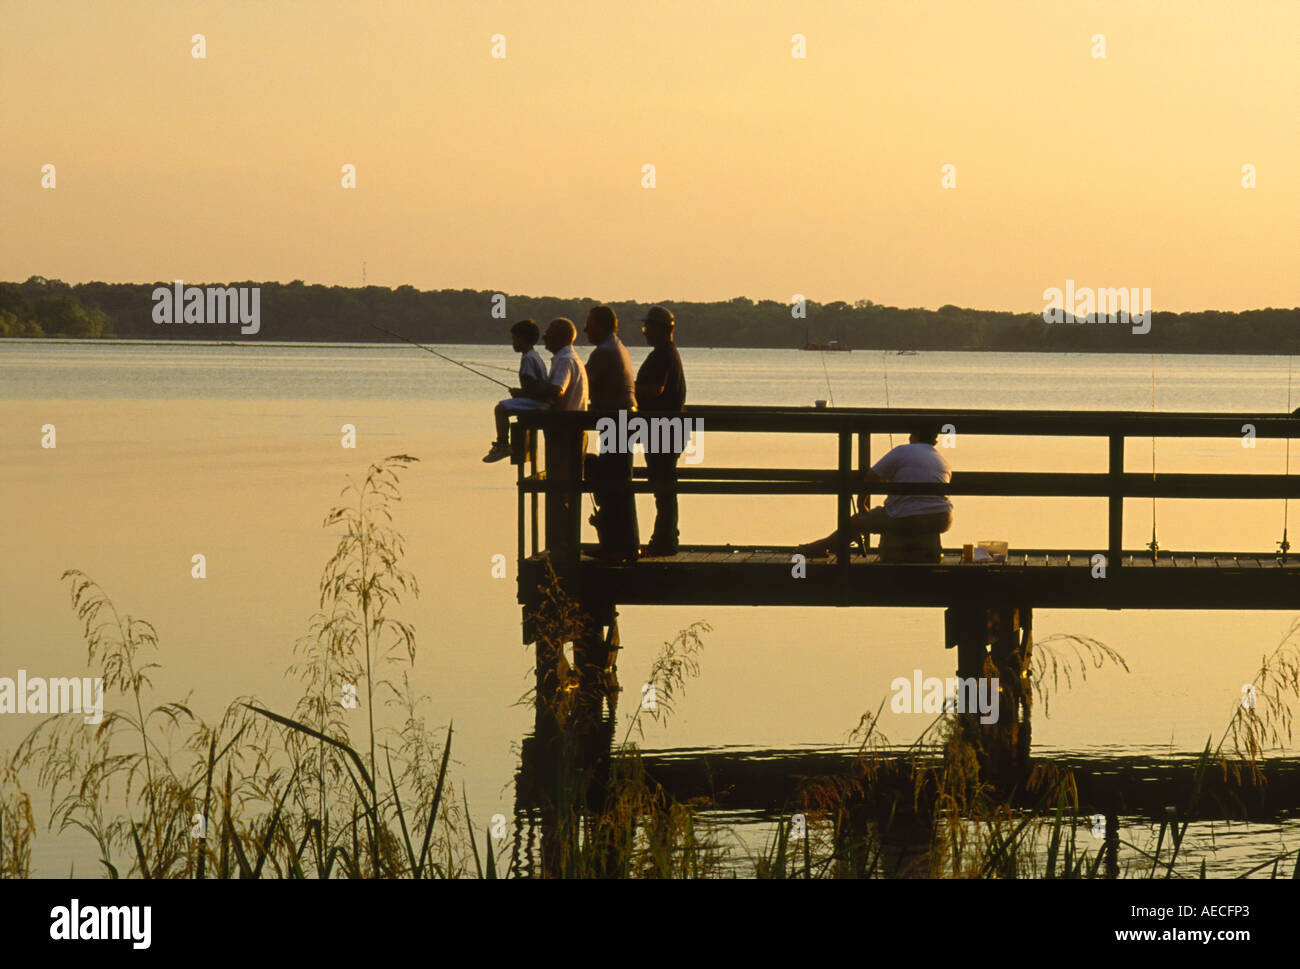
(565, 766)
(966, 627)
(595, 655)
(996, 642)
(575, 690)
(564, 459)
(1011, 644)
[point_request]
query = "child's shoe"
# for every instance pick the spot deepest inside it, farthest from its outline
(497, 452)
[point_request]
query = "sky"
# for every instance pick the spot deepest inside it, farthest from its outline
(774, 175)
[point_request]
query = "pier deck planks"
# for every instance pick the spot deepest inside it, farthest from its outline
(1054, 578)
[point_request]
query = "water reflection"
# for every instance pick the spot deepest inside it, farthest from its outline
(744, 798)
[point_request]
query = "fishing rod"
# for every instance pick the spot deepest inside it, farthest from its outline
(1154, 545)
(437, 354)
(1284, 545)
(829, 392)
(884, 369)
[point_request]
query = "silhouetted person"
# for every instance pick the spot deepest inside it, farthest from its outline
(611, 387)
(906, 516)
(565, 389)
(661, 388)
(527, 396)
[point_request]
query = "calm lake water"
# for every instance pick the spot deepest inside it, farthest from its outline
(166, 451)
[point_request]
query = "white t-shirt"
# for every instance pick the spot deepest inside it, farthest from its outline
(568, 373)
(532, 366)
(914, 464)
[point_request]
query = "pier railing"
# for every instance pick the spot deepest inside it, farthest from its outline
(853, 427)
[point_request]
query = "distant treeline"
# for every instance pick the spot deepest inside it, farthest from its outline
(339, 314)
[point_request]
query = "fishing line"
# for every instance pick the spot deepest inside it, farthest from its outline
(1284, 545)
(437, 354)
(1154, 546)
(884, 369)
(830, 393)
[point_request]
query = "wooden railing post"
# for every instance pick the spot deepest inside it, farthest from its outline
(519, 486)
(532, 462)
(864, 465)
(564, 460)
(1115, 549)
(844, 503)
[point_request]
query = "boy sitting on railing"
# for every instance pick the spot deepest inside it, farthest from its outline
(528, 396)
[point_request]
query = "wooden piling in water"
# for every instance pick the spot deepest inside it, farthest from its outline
(996, 642)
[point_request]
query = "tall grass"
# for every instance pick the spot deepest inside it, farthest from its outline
(17, 825)
(164, 794)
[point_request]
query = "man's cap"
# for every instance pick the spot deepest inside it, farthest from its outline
(658, 314)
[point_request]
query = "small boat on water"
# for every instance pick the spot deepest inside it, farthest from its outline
(828, 345)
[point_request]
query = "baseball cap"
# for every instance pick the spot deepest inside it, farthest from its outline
(658, 314)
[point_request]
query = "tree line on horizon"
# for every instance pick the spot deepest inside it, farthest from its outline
(297, 312)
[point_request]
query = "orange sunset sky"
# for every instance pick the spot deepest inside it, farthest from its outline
(775, 175)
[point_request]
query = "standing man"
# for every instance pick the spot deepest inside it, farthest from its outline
(661, 388)
(611, 387)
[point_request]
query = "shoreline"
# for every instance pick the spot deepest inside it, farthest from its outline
(396, 345)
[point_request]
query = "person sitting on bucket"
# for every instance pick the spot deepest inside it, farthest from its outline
(916, 462)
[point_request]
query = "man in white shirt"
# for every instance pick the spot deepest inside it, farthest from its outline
(565, 390)
(566, 386)
(917, 462)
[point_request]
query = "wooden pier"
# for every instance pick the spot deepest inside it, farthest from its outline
(1050, 578)
(989, 606)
